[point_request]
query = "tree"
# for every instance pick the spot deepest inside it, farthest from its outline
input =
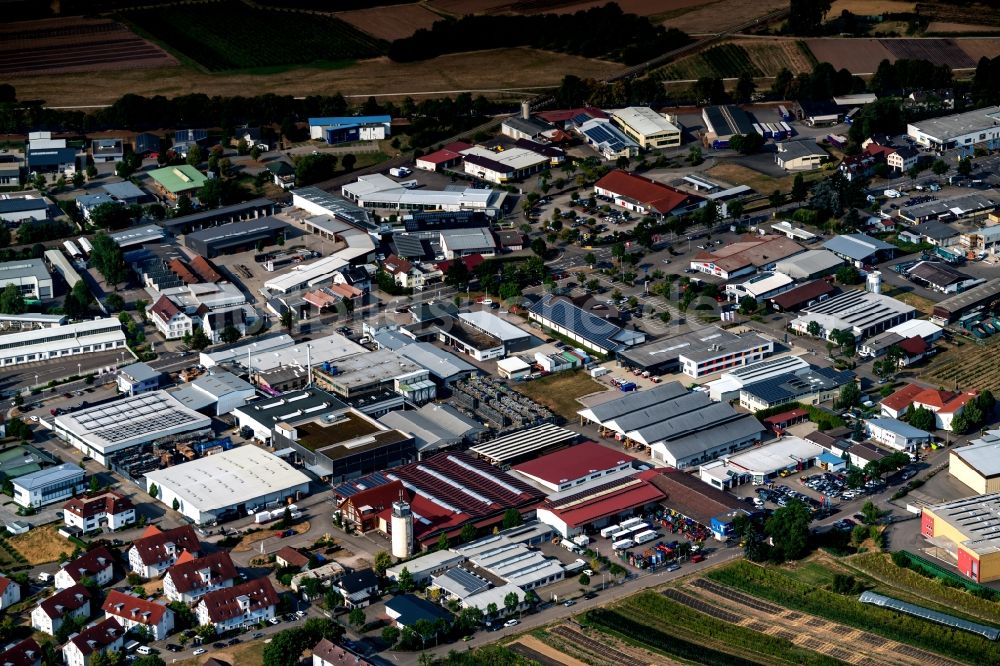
(590, 259)
(110, 215)
(12, 300)
(848, 275)
(805, 17)
(788, 528)
(348, 162)
(939, 168)
(405, 581)
(107, 257)
(799, 188)
(512, 518)
(230, 334)
(776, 198)
(78, 179)
(735, 209)
(114, 302)
(468, 532)
(199, 340)
(965, 167)
(288, 319)
(183, 206)
(443, 542)
(814, 329)
(584, 579)
(458, 274)
(194, 156)
(748, 305)
(390, 635)
(539, 247)
(870, 513)
(850, 395)
(922, 418)
(357, 617)
(95, 484)
(510, 602)
(747, 144)
(745, 87)
(154, 490)
(315, 168)
(176, 505)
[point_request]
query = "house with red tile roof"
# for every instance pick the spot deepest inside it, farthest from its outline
(156, 550)
(91, 512)
(24, 653)
(131, 612)
(10, 593)
(105, 636)
(645, 196)
(169, 319)
(97, 565)
(49, 614)
(945, 405)
(327, 654)
(192, 578)
(290, 557)
(243, 605)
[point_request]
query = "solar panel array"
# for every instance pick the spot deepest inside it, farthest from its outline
(132, 418)
(588, 326)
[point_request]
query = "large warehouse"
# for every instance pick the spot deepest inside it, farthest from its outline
(563, 316)
(978, 464)
(725, 122)
(677, 427)
(650, 129)
(862, 313)
(236, 237)
(950, 309)
(227, 484)
(30, 277)
(966, 532)
(959, 130)
(129, 422)
(699, 353)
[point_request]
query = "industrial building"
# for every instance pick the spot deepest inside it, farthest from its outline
(677, 427)
(173, 181)
(23, 209)
(512, 336)
(862, 313)
(925, 330)
(648, 128)
(213, 217)
(803, 296)
(523, 444)
(46, 486)
(30, 277)
(809, 265)
(457, 243)
(897, 434)
(147, 233)
(645, 196)
(810, 386)
(799, 155)
(563, 316)
(574, 466)
(725, 122)
(344, 129)
(727, 387)
(236, 237)
(761, 463)
(368, 373)
(959, 130)
(954, 307)
(445, 368)
(977, 465)
(434, 426)
(687, 496)
(229, 483)
(498, 167)
(698, 354)
(444, 491)
(860, 249)
(760, 287)
(215, 393)
(966, 533)
(598, 503)
(964, 207)
(128, 422)
(320, 202)
(609, 141)
(747, 255)
(83, 337)
(381, 192)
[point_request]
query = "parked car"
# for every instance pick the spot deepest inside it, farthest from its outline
(199, 651)
(511, 623)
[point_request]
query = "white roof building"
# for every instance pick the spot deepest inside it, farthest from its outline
(130, 421)
(763, 462)
(498, 327)
(62, 341)
(647, 127)
(239, 354)
(728, 386)
(379, 191)
(302, 276)
(462, 242)
(247, 477)
(760, 287)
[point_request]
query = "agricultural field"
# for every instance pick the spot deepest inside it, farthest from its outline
(858, 56)
(209, 35)
(640, 7)
(869, 7)
(915, 635)
(559, 391)
(946, 28)
(711, 17)
(74, 44)
(981, 47)
(971, 13)
(390, 23)
(761, 183)
(752, 56)
(937, 51)
(971, 365)
(486, 71)
(770, 56)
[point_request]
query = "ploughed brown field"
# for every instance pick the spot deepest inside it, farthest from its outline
(390, 23)
(74, 44)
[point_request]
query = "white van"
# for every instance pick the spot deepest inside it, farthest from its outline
(144, 649)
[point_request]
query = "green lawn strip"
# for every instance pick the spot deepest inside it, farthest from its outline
(768, 583)
(892, 580)
(626, 630)
(662, 613)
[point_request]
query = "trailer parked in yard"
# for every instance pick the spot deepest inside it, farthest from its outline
(623, 544)
(645, 536)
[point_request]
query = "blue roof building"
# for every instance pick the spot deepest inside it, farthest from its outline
(566, 318)
(55, 484)
(342, 129)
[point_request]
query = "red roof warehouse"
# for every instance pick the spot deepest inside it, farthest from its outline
(446, 491)
(643, 195)
(565, 468)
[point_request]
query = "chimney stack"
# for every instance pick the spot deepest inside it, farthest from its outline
(525, 109)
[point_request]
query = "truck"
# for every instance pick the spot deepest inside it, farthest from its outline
(626, 387)
(630, 523)
(645, 537)
(262, 517)
(400, 172)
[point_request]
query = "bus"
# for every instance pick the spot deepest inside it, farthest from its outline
(621, 535)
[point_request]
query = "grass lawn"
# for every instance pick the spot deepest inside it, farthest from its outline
(760, 182)
(559, 392)
(42, 544)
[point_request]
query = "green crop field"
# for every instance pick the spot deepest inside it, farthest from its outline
(230, 35)
(723, 61)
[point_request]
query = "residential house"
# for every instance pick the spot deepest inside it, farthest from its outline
(156, 551)
(105, 636)
(92, 512)
(254, 136)
(49, 614)
(97, 565)
(933, 232)
(897, 434)
(138, 378)
(107, 150)
(358, 588)
(242, 605)
(192, 578)
(169, 319)
(136, 613)
(902, 159)
(283, 174)
(242, 318)
(327, 654)
(10, 592)
(945, 405)
(289, 557)
(23, 653)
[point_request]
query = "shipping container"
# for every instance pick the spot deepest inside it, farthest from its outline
(599, 372)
